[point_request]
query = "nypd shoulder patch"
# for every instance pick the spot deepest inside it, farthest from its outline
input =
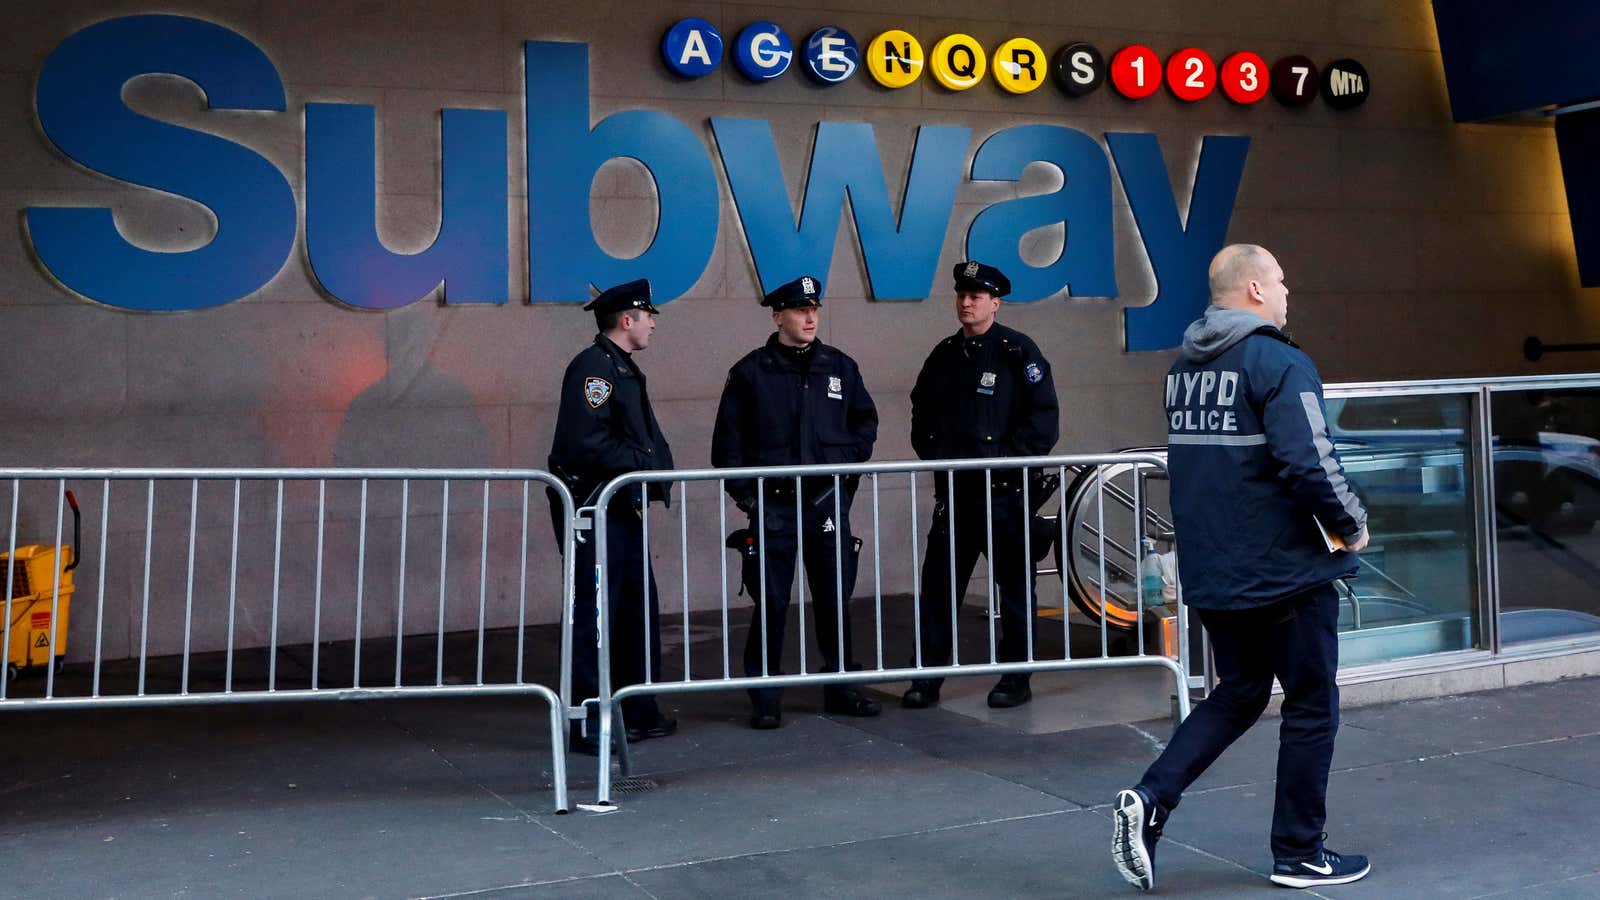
(597, 391)
(1034, 372)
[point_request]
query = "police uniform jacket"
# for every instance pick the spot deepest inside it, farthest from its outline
(777, 412)
(1253, 468)
(984, 397)
(605, 426)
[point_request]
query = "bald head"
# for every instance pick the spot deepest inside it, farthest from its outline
(1246, 276)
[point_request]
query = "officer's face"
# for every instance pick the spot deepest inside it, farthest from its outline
(637, 327)
(797, 327)
(976, 310)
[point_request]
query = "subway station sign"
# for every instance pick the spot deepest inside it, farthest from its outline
(81, 111)
(894, 59)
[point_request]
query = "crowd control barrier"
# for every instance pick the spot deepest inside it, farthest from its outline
(183, 581)
(1109, 581)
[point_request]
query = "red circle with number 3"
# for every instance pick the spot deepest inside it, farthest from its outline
(1191, 75)
(1136, 72)
(1244, 77)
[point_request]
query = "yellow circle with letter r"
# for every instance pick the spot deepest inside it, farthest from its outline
(958, 62)
(1020, 65)
(894, 58)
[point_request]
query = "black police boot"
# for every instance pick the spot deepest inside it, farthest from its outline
(922, 694)
(846, 700)
(663, 727)
(766, 709)
(1013, 690)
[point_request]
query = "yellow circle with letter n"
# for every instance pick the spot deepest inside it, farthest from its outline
(958, 62)
(1020, 65)
(894, 58)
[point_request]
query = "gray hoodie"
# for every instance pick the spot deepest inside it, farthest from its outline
(1209, 336)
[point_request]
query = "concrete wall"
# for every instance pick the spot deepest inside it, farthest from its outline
(1413, 247)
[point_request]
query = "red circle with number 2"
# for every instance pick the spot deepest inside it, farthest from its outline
(1191, 75)
(1136, 72)
(1244, 77)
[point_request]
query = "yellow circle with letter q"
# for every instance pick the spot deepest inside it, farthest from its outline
(1020, 65)
(894, 58)
(958, 62)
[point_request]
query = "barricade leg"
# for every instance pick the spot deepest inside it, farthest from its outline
(558, 750)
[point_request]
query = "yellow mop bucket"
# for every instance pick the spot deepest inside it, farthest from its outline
(36, 608)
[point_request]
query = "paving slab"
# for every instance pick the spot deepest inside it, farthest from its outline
(1443, 827)
(1487, 719)
(1575, 760)
(849, 792)
(304, 800)
(1060, 855)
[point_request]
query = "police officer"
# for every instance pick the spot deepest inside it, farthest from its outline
(1258, 495)
(987, 392)
(797, 401)
(605, 428)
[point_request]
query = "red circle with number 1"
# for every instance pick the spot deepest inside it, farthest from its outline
(1191, 75)
(1136, 72)
(1244, 77)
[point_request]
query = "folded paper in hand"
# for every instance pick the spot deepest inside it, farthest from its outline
(1333, 541)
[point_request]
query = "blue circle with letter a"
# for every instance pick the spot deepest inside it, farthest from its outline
(832, 55)
(763, 51)
(692, 48)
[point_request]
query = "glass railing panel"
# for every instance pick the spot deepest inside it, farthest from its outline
(1410, 458)
(1547, 504)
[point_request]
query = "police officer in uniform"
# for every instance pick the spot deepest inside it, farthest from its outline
(797, 401)
(986, 392)
(606, 428)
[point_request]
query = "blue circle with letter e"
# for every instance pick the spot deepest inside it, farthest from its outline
(692, 48)
(832, 55)
(763, 51)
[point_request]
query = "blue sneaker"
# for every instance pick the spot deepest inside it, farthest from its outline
(1327, 867)
(1137, 820)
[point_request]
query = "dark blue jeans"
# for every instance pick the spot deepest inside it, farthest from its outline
(1296, 640)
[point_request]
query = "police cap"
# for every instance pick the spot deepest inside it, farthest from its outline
(623, 298)
(804, 291)
(975, 276)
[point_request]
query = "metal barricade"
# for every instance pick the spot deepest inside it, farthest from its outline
(870, 475)
(218, 662)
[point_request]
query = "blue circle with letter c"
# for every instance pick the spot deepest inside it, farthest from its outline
(692, 48)
(763, 51)
(832, 56)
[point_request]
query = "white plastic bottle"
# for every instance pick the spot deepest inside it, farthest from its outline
(1150, 575)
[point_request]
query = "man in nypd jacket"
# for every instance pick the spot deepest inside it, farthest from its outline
(1255, 484)
(797, 401)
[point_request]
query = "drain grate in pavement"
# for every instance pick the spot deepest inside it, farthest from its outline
(633, 786)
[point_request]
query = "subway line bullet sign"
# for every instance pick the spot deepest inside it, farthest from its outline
(896, 59)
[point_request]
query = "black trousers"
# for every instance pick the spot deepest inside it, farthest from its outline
(823, 532)
(1295, 640)
(1014, 574)
(630, 592)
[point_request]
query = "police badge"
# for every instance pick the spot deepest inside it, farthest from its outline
(597, 391)
(988, 379)
(972, 270)
(835, 383)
